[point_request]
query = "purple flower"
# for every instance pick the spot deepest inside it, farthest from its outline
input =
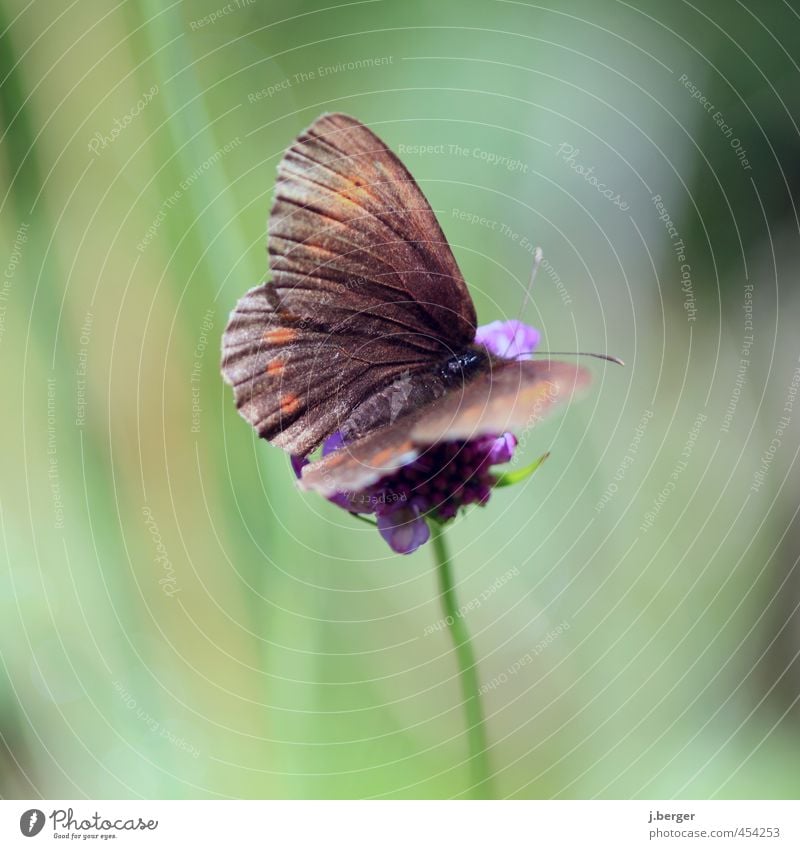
(510, 339)
(448, 475)
(502, 449)
(405, 528)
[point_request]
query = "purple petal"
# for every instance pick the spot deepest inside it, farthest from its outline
(509, 339)
(332, 443)
(503, 449)
(352, 502)
(355, 502)
(447, 511)
(343, 500)
(404, 529)
(298, 463)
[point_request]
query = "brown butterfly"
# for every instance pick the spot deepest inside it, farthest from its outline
(367, 327)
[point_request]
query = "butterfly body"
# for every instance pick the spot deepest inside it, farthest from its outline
(367, 328)
(459, 368)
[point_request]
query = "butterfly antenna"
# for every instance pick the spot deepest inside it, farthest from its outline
(538, 256)
(608, 357)
(537, 261)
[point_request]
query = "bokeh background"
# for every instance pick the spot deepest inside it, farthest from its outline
(178, 620)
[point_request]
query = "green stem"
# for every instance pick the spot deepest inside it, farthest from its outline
(481, 780)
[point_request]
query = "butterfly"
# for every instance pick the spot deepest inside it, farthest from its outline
(366, 328)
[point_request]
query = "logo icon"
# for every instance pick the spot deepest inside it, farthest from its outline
(31, 822)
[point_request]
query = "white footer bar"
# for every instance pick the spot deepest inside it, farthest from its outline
(385, 824)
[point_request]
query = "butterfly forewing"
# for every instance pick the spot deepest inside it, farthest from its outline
(509, 396)
(348, 212)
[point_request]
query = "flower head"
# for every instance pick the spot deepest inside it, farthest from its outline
(448, 475)
(510, 339)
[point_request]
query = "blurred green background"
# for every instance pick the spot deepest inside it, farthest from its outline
(179, 621)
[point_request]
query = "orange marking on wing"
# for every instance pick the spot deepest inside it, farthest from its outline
(280, 336)
(387, 453)
(289, 404)
(275, 367)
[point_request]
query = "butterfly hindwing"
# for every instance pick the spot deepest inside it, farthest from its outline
(296, 384)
